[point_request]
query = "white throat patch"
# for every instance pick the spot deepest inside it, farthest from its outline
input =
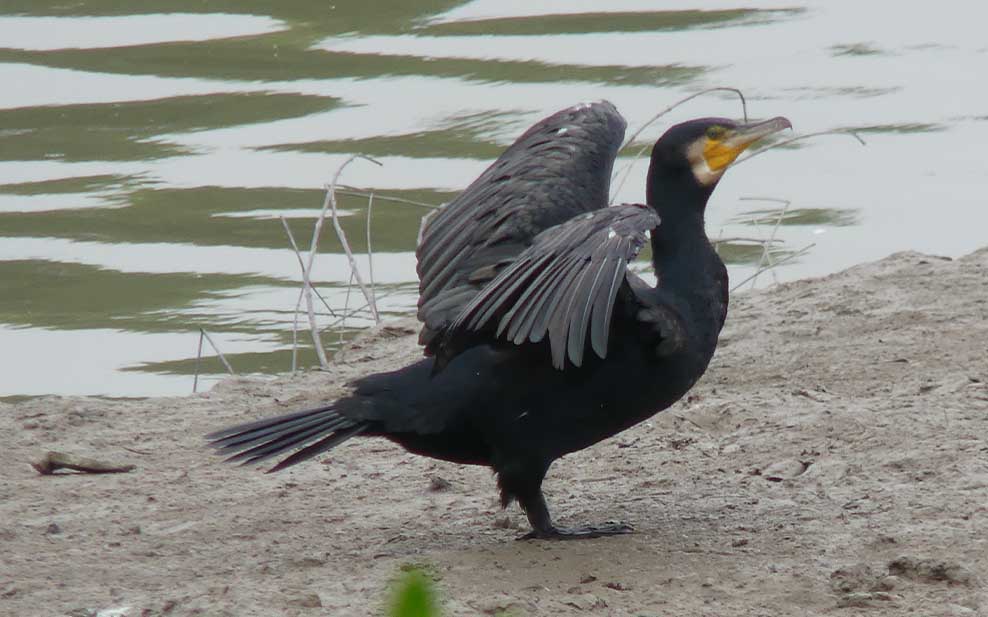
(698, 163)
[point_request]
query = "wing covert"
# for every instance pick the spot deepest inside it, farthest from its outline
(559, 168)
(563, 287)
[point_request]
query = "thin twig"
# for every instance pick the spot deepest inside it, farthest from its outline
(789, 257)
(298, 305)
(627, 171)
(313, 327)
(349, 190)
(744, 107)
(786, 142)
(346, 304)
(301, 264)
(53, 461)
(758, 241)
(218, 352)
(370, 252)
(765, 257)
(627, 168)
(195, 379)
(330, 203)
(342, 320)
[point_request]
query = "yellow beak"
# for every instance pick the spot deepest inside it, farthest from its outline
(719, 153)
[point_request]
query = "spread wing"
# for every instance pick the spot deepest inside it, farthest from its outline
(562, 287)
(560, 168)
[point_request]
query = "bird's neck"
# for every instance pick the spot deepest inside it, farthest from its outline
(680, 203)
(687, 267)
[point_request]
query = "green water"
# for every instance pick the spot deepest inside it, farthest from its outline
(148, 151)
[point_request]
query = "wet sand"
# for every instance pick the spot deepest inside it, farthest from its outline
(832, 461)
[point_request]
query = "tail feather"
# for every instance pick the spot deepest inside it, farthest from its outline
(265, 422)
(317, 430)
(242, 441)
(319, 447)
(273, 447)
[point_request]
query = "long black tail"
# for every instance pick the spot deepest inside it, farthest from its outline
(312, 430)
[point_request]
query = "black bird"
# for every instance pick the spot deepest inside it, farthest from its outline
(540, 340)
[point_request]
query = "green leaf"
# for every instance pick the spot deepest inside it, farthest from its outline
(414, 596)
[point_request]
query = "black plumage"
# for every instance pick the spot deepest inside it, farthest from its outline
(543, 341)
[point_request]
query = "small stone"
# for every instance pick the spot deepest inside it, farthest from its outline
(53, 529)
(858, 599)
(439, 484)
(931, 570)
(850, 579)
(308, 562)
(784, 470)
(309, 600)
(586, 602)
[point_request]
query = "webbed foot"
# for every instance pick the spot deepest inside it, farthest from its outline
(610, 528)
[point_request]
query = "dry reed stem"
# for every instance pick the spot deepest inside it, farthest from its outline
(53, 461)
(301, 263)
(789, 257)
(786, 142)
(349, 190)
(298, 305)
(195, 379)
(218, 352)
(346, 304)
(758, 241)
(330, 204)
(765, 256)
(342, 320)
(370, 253)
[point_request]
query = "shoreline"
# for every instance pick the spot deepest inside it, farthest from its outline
(834, 456)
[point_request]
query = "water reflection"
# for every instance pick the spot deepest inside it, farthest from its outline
(148, 152)
(833, 217)
(137, 130)
(612, 21)
(91, 32)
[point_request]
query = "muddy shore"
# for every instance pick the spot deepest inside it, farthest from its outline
(834, 460)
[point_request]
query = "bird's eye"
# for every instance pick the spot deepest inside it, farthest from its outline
(716, 132)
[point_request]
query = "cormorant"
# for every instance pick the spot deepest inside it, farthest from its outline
(539, 340)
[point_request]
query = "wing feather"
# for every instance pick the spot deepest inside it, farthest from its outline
(607, 304)
(514, 320)
(563, 287)
(558, 169)
(547, 309)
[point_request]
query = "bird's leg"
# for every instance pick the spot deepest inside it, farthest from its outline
(533, 502)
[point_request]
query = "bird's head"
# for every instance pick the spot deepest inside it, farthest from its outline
(701, 150)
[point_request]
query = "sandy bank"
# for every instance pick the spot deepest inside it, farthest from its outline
(834, 460)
